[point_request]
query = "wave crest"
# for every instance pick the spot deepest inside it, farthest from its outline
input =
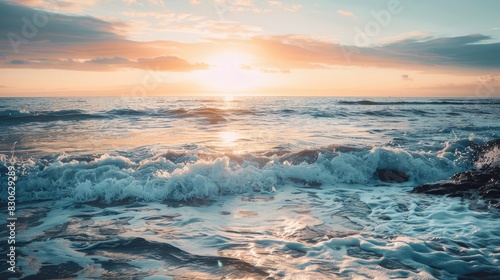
(182, 176)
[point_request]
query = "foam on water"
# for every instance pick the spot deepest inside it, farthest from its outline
(344, 231)
(287, 188)
(187, 176)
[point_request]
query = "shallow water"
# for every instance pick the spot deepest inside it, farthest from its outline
(204, 188)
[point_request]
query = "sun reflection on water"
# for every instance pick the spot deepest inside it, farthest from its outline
(229, 137)
(228, 98)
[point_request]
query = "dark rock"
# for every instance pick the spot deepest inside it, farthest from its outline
(313, 184)
(493, 193)
(391, 176)
(484, 183)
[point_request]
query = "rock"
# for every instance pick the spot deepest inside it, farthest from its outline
(313, 184)
(442, 188)
(391, 176)
(484, 183)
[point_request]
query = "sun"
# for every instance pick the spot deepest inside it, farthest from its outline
(231, 71)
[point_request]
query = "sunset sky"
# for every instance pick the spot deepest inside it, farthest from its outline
(250, 47)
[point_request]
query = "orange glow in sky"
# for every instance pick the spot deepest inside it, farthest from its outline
(165, 48)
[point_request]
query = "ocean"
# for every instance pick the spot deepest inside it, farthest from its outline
(243, 188)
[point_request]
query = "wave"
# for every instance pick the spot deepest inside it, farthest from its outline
(444, 102)
(23, 116)
(126, 112)
(180, 175)
(212, 115)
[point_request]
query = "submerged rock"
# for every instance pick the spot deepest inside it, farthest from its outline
(391, 176)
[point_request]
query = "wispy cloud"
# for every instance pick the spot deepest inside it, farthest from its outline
(143, 3)
(162, 63)
(294, 7)
(346, 13)
(461, 51)
(59, 5)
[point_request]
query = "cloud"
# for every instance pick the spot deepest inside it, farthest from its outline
(88, 43)
(157, 2)
(79, 43)
(105, 60)
(168, 63)
(293, 7)
(228, 27)
(265, 70)
(15, 24)
(346, 13)
(161, 63)
(189, 23)
(131, 2)
(141, 3)
(489, 78)
(406, 78)
(18, 62)
(163, 15)
(59, 5)
(275, 3)
(283, 6)
(223, 7)
(462, 51)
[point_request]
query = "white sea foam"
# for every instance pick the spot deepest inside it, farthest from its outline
(490, 158)
(114, 178)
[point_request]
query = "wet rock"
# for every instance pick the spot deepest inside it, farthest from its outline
(313, 184)
(391, 176)
(484, 183)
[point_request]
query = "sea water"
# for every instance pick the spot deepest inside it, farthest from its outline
(244, 188)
